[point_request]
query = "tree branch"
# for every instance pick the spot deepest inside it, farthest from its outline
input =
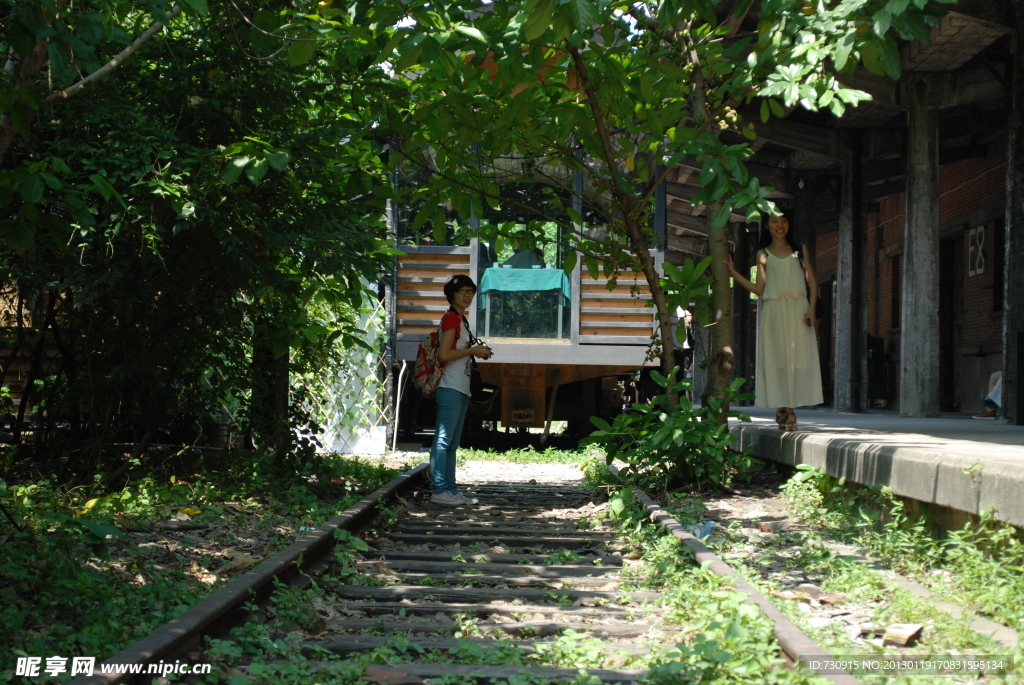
(114, 63)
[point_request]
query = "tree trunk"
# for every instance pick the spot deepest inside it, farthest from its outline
(722, 363)
(269, 400)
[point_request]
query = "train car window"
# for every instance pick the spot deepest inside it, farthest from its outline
(524, 293)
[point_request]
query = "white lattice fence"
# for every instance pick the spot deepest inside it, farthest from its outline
(358, 418)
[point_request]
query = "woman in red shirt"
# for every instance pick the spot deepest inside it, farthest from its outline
(453, 392)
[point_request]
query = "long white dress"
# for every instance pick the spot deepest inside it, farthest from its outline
(788, 370)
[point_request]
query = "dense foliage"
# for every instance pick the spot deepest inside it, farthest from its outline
(595, 102)
(187, 234)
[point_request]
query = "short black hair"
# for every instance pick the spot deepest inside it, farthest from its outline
(456, 283)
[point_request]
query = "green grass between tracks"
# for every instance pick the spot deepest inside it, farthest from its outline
(723, 638)
(527, 455)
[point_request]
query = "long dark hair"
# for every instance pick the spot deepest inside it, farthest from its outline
(790, 238)
(766, 236)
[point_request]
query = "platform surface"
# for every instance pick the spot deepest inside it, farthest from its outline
(953, 461)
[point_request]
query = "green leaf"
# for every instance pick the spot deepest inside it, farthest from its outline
(592, 266)
(584, 14)
(234, 168)
(17, 235)
(539, 20)
(842, 52)
(278, 160)
(256, 170)
(869, 56)
(19, 120)
(889, 55)
(765, 111)
(51, 180)
(409, 58)
(472, 32)
(102, 530)
(440, 228)
(198, 7)
(570, 262)
(32, 188)
(106, 190)
(300, 52)
(269, 22)
(777, 109)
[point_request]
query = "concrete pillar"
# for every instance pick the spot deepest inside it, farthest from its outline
(1013, 281)
(919, 326)
(848, 329)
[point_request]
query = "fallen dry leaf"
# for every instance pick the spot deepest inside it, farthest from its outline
(239, 561)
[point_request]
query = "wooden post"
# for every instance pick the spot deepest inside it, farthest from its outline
(848, 331)
(741, 308)
(804, 229)
(919, 325)
(1013, 281)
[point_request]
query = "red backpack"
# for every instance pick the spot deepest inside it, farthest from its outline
(426, 373)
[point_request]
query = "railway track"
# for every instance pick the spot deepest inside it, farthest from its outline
(511, 576)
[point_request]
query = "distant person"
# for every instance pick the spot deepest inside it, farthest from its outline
(525, 258)
(788, 371)
(994, 399)
(455, 348)
(682, 342)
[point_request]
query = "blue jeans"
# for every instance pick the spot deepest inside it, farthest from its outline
(451, 416)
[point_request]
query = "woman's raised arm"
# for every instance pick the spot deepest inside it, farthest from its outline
(755, 287)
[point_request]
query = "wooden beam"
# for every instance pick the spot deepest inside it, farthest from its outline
(820, 140)
(686, 223)
(688, 244)
(773, 176)
(884, 190)
(896, 167)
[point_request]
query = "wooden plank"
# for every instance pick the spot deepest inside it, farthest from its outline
(481, 557)
(548, 611)
(604, 294)
(433, 266)
(435, 249)
(474, 673)
(601, 288)
(528, 542)
(422, 308)
(421, 289)
(419, 300)
(615, 308)
(405, 323)
(522, 580)
(641, 317)
(614, 340)
(480, 529)
(417, 272)
(610, 328)
(416, 333)
(540, 571)
(546, 628)
(394, 593)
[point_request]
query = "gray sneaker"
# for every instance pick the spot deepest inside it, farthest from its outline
(447, 499)
(467, 500)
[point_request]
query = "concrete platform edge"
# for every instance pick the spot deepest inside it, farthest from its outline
(934, 476)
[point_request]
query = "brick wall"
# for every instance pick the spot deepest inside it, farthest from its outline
(971, 194)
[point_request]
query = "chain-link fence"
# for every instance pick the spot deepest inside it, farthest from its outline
(358, 415)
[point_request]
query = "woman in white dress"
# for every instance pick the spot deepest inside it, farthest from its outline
(788, 371)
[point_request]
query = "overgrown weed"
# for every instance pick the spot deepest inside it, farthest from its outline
(980, 566)
(72, 584)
